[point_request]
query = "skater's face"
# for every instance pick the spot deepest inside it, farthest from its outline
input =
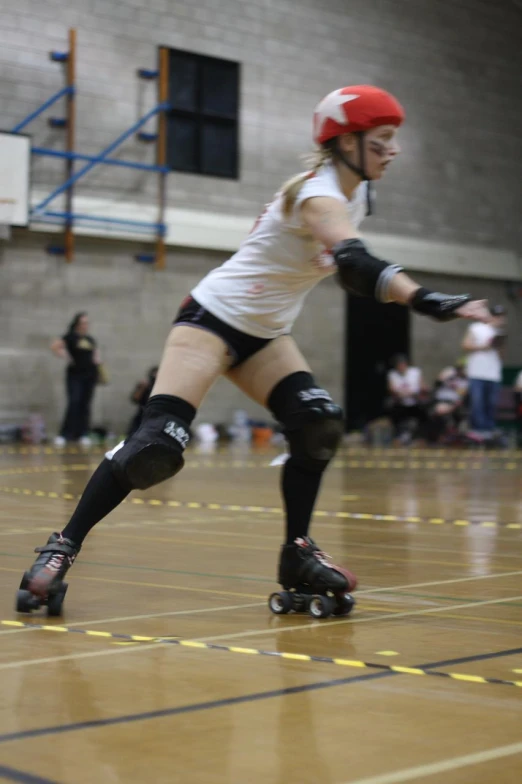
(380, 148)
(82, 327)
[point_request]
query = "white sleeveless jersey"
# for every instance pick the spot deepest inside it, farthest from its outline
(261, 289)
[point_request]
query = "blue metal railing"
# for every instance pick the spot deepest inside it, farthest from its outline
(101, 158)
(76, 156)
(52, 216)
(30, 117)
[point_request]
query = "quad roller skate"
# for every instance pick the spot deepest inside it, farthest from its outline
(311, 583)
(43, 584)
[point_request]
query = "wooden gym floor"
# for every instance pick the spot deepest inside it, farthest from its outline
(158, 672)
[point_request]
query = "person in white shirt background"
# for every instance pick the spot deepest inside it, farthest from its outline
(237, 322)
(406, 385)
(483, 344)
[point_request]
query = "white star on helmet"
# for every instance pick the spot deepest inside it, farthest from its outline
(331, 107)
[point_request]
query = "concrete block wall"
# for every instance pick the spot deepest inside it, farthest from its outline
(131, 308)
(455, 64)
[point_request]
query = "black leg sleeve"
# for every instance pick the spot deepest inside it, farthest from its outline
(102, 494)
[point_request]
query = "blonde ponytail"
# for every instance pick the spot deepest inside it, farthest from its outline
(290, 189)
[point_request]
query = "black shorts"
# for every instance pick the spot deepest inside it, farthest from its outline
(240, 345)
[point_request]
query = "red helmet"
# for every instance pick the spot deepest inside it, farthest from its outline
(356, 108)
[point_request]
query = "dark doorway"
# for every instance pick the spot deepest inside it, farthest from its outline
(374, 333)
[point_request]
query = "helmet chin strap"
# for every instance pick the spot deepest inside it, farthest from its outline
(360, 171)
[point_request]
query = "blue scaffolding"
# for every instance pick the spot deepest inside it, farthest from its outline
(68, 218)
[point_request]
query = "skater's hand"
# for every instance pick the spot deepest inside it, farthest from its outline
(475, 310)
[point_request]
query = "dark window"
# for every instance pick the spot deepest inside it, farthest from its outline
(202, 122)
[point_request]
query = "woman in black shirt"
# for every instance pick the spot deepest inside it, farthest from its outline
(82, 371)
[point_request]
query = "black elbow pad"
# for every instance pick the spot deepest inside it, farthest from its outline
(361, 273)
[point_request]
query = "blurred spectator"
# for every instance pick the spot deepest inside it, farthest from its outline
(461, 380)
(79, 348)
(484, 344)
(447, 410)
(406, 387)
(140, 395)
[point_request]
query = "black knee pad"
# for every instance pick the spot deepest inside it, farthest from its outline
(154, 452)
(313, 423)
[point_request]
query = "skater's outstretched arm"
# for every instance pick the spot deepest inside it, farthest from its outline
(362, 273)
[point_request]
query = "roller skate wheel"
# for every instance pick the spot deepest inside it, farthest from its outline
(321, 606)
(280, 603)
(344, 605)
(55, 602)
(26, 602)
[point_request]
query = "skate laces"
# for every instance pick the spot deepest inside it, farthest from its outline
(323, 557)
(316, 553)
(57, 559)
(55, 562)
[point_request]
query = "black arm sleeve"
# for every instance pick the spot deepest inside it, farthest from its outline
(361, 273)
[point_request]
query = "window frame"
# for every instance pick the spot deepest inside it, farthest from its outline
(202, 118)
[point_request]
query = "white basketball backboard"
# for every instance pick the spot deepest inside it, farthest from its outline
(15, 166)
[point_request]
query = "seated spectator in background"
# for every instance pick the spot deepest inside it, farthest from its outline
(406, 387)
(484, 344)
(140, 395)
(518, 406)
(461, 381)
(447, 409)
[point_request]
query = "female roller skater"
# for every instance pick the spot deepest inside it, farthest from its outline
(237, 322)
